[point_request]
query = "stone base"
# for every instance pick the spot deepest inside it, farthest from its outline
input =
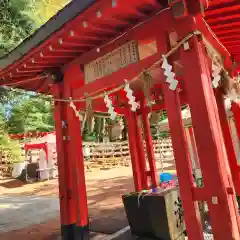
(73, 232)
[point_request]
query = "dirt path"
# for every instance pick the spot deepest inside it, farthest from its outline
(32, 211)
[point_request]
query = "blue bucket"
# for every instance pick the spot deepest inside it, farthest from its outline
(166, 177)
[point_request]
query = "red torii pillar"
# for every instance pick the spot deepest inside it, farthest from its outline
(139, 173)
(137, 152)
(236, 114)
(152, 173)
(66, 188)
(232, 157)
(209, 139)
(181, 154)
(74, 126)
(72, 186)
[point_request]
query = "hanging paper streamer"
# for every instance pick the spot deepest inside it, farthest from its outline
(110, 107)
(227, 104)
(173, 83)
(131, 98)
(79, 116)
(216, 76)
(77, 113)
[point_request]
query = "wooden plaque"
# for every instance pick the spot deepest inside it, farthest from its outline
(111, 62)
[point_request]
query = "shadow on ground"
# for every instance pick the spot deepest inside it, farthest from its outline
(14, 183)
(106, 211)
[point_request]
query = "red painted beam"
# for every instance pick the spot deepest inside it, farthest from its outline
(224, 20)
(218, 6)
(22, 81)
(222, 12)
(119, 77)
(230, 37)
(226, 26)
(200, 25)
(234, 43)
(54, 57)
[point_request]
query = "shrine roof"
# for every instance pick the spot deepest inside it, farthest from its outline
(86, 24)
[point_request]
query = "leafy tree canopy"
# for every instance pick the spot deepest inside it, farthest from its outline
(31, 115)
(6, 144)
(15, 23)
(20, 18)
(22, 112)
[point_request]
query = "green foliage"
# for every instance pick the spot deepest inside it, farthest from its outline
(31, 115)
(21, 18)
(7, 145)
(161, 135)
(18, 20)
(15, 23)
(7, 95)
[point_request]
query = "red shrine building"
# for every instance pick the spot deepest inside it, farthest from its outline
(131, 58)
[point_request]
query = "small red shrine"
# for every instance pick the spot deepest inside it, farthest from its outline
(133, 58)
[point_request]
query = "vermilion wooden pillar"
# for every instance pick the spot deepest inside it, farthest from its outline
(190, 147)
(181, 153)
(141, 151)
(232, 158)
(207, 130)
(77, 159)
(133, 147)
(66, 188)
(194, 147)
(183, 164)
(236, 114)
(149, 144)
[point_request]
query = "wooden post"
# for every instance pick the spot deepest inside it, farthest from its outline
(194, 148)
(149, 145)
(67, 200)
(228, 142)
(183, 164)
(236, 114)
(141, 151)
(209, 140)
(190, 147)
(181, 153)
(130, 118)
(77, 159)
(235, 137)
